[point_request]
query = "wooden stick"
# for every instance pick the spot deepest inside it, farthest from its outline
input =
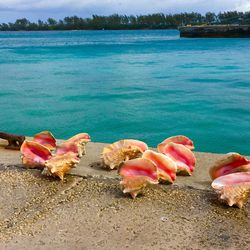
(15, 141)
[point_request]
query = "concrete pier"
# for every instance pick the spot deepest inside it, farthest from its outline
(215, 31)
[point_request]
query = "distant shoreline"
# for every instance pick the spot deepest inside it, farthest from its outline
(154, 21)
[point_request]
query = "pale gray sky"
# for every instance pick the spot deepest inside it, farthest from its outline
(35, 9)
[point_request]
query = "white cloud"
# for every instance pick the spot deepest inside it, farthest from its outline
(34, 9)
(126, 6)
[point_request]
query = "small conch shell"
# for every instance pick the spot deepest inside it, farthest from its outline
(181, 155)
(118, 152)
(180, 139)
(230, 163)
(46, 139)
(59, 165)
(80, 140)
(166, 167)
(34, 154)
(233, 189)
(136, 175)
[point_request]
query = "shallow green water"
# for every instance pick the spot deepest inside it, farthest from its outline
(146, 85)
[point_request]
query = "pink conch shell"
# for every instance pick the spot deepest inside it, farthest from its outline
(136, 175)
(80, 140)
(166, 167)
(230, 163)
(233, 189)
(181, 155)
(180, 139)
(59, 165)
(118, 152)
(34, 154)
(46, 139)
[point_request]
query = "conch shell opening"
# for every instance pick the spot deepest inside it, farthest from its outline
(181, 155)
(34, 154)
(136, 175)
(230, 163)
(166, 167)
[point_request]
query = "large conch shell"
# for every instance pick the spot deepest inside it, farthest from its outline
(116, 153)
(230, 163)
(166, 167)
(59, 165)
(233, 189)
(136, 175)
(180, 139)
(46, 139)
(34, 154)
(181, 155)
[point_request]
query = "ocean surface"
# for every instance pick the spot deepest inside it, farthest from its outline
(145, 85)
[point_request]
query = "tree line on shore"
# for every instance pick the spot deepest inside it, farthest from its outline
(129, 22)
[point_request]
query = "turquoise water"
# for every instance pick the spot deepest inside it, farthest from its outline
(127, 84)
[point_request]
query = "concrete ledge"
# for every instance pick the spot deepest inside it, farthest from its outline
(89, 211)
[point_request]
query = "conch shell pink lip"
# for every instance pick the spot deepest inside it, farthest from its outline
(166, 167)
(231, 179)
(180, 139)
(34, 153)
(181, 155)
(136, 175)
(139, 167)
(230, 163)
(46, 139)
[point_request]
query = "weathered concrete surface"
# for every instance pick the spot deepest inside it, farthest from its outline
(38, 212)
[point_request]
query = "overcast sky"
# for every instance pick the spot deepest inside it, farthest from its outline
(10, 10)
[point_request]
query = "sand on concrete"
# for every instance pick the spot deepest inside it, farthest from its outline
(89, 211)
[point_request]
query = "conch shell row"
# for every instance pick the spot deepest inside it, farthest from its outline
(231, 179)
(139, 166)
(42, 152)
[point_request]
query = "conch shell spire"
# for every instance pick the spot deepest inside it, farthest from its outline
(59, 165)
(116, 153)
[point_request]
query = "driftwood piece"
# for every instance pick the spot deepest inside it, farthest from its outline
(15, 141)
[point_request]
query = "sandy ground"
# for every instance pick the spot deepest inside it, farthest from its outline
(91, 212)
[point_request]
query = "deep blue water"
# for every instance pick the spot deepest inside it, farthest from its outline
(146, 85)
